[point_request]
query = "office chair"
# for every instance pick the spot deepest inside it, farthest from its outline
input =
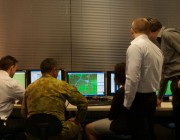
(43, 126)
(3, 134)
(6, 136)
(117, 137)
(171, 126)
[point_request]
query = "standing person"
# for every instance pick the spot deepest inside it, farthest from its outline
(117, 120)
(10, 91)
(143, 73)
(48, 95)
(169, 41)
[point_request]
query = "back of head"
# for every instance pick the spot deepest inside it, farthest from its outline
(120, 73)
(141, 25)
(7, 61)
(47, 65)
(155, 24)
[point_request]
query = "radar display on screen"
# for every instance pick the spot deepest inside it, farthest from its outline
(88, 83)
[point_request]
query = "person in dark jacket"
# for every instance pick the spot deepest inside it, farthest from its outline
(117, 120)
(168, 39)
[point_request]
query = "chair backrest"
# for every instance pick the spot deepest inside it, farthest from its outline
(43, 126)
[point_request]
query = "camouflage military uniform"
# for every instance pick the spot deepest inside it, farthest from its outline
(48, 95)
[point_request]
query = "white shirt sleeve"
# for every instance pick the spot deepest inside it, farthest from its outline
(133, 72)
(17, 90)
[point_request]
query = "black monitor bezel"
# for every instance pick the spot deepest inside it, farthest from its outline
(109, 93)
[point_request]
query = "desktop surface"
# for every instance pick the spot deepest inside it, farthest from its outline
(165, 106)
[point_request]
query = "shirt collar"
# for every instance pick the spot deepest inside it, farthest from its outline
(139, 37)
(46, 75)
(159, 36)
(5, 74)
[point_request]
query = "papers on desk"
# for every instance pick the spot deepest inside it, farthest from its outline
(165, 106)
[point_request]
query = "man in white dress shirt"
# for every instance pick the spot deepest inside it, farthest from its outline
(143, 73)
(10, 91)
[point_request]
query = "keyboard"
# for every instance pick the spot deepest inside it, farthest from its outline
(99, 102)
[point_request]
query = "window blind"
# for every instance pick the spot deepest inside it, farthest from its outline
(79, 34)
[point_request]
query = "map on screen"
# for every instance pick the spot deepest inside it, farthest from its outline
(88, 83)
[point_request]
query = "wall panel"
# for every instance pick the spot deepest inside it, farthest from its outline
(80, 34)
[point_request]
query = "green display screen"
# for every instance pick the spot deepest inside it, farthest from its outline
(20, 77)
(168, 89)
(88, 83)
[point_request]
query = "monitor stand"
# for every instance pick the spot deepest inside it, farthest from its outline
(166, 99)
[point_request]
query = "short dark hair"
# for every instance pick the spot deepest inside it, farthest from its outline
(47, 65)
(120, 76)
(155, 24)
(7, 61)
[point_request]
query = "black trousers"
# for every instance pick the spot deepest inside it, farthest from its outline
(142, 119)
(12, 128)
(176, 105)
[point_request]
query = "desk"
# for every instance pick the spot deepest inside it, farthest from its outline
(17, 106)
(90, 108)
(162, 114)
(99, 112)
(165, 106)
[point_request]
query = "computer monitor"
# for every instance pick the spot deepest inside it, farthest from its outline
(168, 89)
(20, 77)
(112, 87)
(167, 93)
(88, 83)
(36, 74)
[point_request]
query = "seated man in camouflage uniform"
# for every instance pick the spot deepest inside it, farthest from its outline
(48, 95)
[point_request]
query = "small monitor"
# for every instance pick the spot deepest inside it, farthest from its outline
(168, 92)
(88, 83)
(168, 89)
(20, 77)
(36, 74)
(112, 87)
